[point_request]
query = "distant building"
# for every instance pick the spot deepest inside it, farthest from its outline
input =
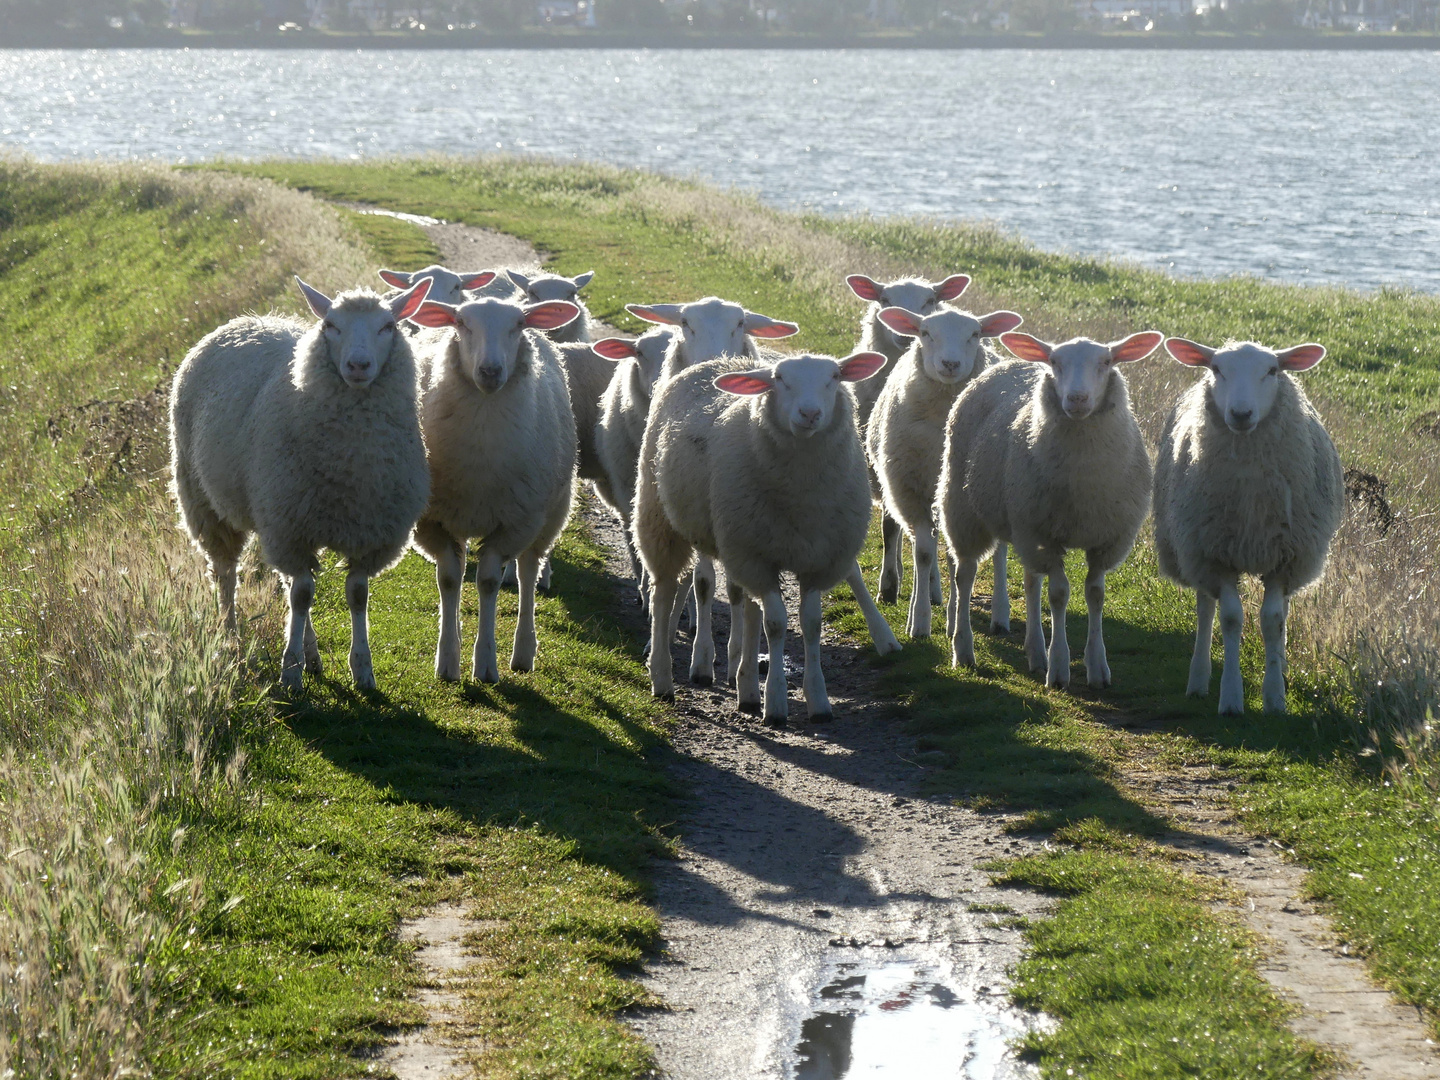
(566, 13)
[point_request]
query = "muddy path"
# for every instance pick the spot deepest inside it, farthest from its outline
(821, 915)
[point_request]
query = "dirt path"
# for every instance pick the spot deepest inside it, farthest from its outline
(808, 860)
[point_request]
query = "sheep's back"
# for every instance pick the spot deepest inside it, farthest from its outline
(587, 377)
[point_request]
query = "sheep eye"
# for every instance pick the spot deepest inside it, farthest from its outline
(1272, 371)
(330, 327)
(388, 328)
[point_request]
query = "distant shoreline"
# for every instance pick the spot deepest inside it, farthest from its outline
(599, 39)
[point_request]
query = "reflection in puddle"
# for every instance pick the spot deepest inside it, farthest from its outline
(904, 1019)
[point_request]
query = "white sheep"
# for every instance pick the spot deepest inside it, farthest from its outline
(918, 297)
(500, 438)
(1044, 453)
(453, 286)
(1247, 481)
(906, 434)
(308, 437)
(542, 287)
(621, 427)
(768, 481)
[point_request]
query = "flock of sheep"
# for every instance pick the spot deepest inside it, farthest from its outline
(364, 436)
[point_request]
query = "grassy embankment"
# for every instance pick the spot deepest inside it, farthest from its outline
(1363, 820)
(202, 881)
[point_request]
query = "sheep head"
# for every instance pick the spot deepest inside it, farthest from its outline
(358, 328)
(1244, 377)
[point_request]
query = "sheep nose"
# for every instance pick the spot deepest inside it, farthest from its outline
(810, 415)
(1077, 401)
(1241, 417)
(357, 369)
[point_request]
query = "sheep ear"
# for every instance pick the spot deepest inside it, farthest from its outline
(860, 366)
(901, 321)
(1027, 347)
(760, 381)
(477, 280)
(407, 303)
(614, 348)
(550, 315)
(521, 281)
(1301, 357)
(582, 280)
(763, 326)
(318, 301)
(865, 288)
(434, 313)
(1189, 353)
(668, 314)
(398, 278)
(952, 287)
(999, 322)
(1136, 346)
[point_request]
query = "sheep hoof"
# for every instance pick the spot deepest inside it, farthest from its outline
(775, 721)
(365, 681)
(999, 628)
(292, 680)
(750, 708)
(313, 665)
(822, 718)
(521, 665)
(764, 666)
(703, 680)
(889, 593)
(667, 697)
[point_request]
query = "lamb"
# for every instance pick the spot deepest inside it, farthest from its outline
(919, 298)
(906, 434)
(761, 468)
(1044, 453)
(1247, 481)
(453, 286)
(500, 438)
(709, 329)
(621, 427)
(308, 437)
(539, 288)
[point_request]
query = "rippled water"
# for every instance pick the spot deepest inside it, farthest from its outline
(1298, 166)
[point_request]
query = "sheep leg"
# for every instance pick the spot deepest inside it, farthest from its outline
(817, 702)
(889, 588)
(747, 675)
(937, 585)
(923, 547)
(485, 667)
(225, 576)
(663, 592)
(1273, 611)
(449, 579)
(962, 649)
(1034, 621)
(312, 648)
(1232, 621)
(543, 580)
(702, 649)
(777, 700)
(735, 646)
(1199, 684)
(1059, 671)
(302, 595)
(1097, 665)
(357, 596)
(522, 652)
(1000, 595)
(880, 632)
(952, 605)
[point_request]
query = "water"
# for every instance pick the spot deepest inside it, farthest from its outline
(906, 1019)
(1297, 166)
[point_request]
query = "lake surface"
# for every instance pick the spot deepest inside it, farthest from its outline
(1316, 167)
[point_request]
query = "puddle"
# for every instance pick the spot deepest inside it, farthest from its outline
(905, 1018)
(413, 219)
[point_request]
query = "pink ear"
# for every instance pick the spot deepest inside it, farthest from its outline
(1190, 353)
(1026, 347)
(901, 321)
(479, 281)
(952, 287)
(999, 322)
(395, 278)
(551, 315)
(1301, 357)
(743, 382)
(435, 314)
(861, 365)
(1136, 346)
(614, 348)
(407, 303)
(863, 287)
(650, 314)
(775, 329)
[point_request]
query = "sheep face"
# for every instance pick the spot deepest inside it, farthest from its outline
(912, 294)
(491, 332)
(446, 286)
(544, 287)
(1081, 368)
(1244, 376)
(802, 391)
(358, 328)
(712, 328)
(648, 350)
(949, 339)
